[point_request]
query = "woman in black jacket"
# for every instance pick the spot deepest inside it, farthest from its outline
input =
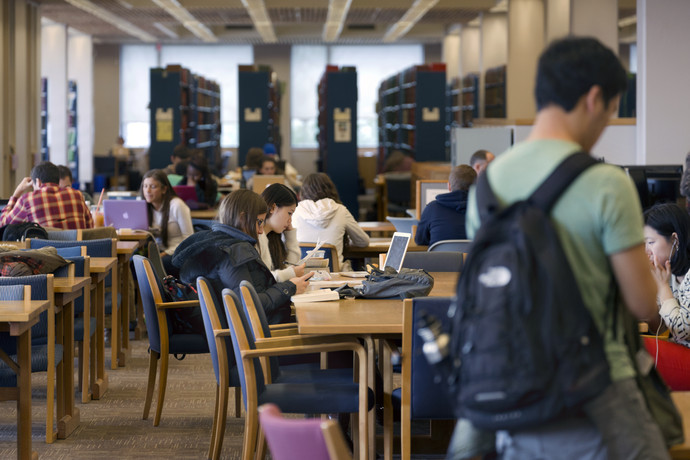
(226, 255)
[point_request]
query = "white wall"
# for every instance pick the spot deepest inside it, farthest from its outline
(54, 69)
(557, 19)
(80, 69)
(451, 55)
(469, 50)
(596, 18)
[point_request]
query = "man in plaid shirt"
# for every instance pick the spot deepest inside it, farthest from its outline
(40, 199)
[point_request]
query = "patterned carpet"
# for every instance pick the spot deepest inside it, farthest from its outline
(112, 427)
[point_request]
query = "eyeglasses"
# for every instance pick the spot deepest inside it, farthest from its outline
(260, 222)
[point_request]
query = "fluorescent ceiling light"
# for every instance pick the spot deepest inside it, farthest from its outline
(337, 12)
(476, 22)
(174, 9)
(629, 21)
(169, 32)
(501, 7)
(409, 19)
(113, 19)
(262, 22)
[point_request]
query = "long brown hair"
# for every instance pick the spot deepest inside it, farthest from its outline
(317, 186)
(281, 196)
(168, 194)
(240, 210)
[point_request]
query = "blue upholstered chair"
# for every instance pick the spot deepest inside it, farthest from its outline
(330, 253)
(310, 438)
(421, 396)
(154, 257)
(403, 224)
(162, 341)
(451, 245)
(64, 235)
(301, 398)
(445, 261)
(45, 353)
(71, 251)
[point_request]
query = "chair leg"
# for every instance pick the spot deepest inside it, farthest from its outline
(222, 419)
(238, 402)
(162, 383)
(80, 354)
(251, 427)
(261, 446)
(211, 447)
(153, 363)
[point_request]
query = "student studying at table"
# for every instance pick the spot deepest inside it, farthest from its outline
(321, 216)
(199, 176)
(277, 243)
(226, 255)
(667, 239)
(164, 206)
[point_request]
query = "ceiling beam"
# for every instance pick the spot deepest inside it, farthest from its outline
(179, 12)
(337, 12)
(262, 22)
(113, 19)
(409, 19)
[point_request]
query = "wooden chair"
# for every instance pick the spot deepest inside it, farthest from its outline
(437, 261)
(309, 398)
(330, 253)
(162, 341)
(314, 438)
(451, 245)
(156, 261)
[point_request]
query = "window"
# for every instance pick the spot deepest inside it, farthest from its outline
(307, 64)
(215, 62)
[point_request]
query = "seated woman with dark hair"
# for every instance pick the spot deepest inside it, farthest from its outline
(226, 255)
(199, 176)
(667, 242)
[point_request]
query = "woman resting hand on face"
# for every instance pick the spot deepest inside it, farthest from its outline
(667, 238)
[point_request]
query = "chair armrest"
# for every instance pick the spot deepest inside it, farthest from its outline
(299, 340)
(307, 349)
(391, 346)
(221, 332)
(180, 304)
(274, 327)
(284, 332)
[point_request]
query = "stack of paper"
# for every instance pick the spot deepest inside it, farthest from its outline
(319, 295)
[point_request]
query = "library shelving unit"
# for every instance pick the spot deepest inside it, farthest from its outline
(337, 136)
(72, 146)
(259, 104)
(412, 113)
(628, 104)
(470, 99)
(45, 153)
(185, 109)
(495, 92)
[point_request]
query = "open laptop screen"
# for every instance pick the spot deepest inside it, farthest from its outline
(397, 250)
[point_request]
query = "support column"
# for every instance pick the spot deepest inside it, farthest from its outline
(80, 69)
(663, 66)
(525, 44)
(54, 69)
(451, 55)
(494, 48)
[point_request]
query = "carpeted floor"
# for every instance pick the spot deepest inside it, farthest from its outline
(112, 427)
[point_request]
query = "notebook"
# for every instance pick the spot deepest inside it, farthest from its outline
(397, 250)
(126, 214)
(185, 192)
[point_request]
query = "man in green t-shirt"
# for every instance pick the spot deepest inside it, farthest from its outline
(599, 222)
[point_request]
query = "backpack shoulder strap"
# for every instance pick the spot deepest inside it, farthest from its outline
(565, 173)
(487, 203)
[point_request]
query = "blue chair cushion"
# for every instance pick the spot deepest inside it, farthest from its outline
(188, 344)
(79, 328)
(314, 398)
(302, 374)
(39, 363)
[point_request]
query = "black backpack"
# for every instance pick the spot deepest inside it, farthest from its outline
(22, 231)
(524, 347)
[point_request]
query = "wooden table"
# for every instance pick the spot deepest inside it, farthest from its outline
(17, 317)
(377, 246)
(125, 251)
(99, 269)
(367, 318)
(204, 214)
(372, 227)
(66, 290)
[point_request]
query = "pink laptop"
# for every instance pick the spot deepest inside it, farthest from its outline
(130, 214)
(185, 192)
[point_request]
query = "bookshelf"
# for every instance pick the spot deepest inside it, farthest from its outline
(72, 146)
(495, 92)
(185, 109)
(337, 135)
(470, 99)
(45, 152)
(260, 92)
(412, 113)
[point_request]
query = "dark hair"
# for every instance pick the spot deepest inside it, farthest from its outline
(254, 158)
(479, 155)
(669, 218)
(200, 163)
(317, 186)
(461, 177)
(47, 172)
(269, 159)
(571, 66)
(240, 210)
(64, 171)
(168, 194)
(181, 168)
(181, 151)
(279, 195)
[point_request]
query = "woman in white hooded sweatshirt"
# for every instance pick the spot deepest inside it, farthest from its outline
(321, 216)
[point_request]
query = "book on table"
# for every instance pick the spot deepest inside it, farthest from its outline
(317, 295)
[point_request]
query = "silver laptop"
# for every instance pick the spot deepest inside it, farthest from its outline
(397, 250)
(126, 214)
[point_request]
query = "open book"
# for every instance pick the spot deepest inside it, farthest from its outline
(317, 295)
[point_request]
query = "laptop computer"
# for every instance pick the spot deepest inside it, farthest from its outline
(397, 250)
(261, 181)
(126, 214)
(186, 192)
